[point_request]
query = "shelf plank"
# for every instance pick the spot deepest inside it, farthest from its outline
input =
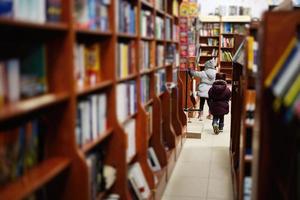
(147, 71)
(34, 179)
(169, 15)
(226, 47)
(129, 77)
(102, 136)
(149, 102)
(147, 38)
(24, 107)
(209, 36)
(169, 41)
(159, 40)
(160, 12)
(209, 46)
(93, 32)
(128, 118)
(147, 4)
(127, 35)
(161, 67)
(86, 89)
(57, 26)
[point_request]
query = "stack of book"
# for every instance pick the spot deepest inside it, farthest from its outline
(147, 24)
(145, 89)
(127, 17)
(168, 30)
(87, 63)
(92, 14)
(159, 55)
(101, 176)
(126, 59)
(39, 11)
(20, 150)
(130, 130)
(212, 42)
(170, 54)
(160, 77)
(145, 55)
(159, 27)
(126, 100)
(227, 42)
(23, 77)
(91, 118)
(227, 27)
(210, 29)
(226, 56)
(137, 181)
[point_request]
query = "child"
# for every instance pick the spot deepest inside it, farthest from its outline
(207, 78)
(219, 96)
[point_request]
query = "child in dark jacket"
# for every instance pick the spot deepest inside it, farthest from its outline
(219, 96)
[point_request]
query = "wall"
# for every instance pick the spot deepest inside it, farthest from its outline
(257, 6)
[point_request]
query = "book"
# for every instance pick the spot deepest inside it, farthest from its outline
(91, 119)
(147, 23)
(159, 55)
(126, 59)
(209, 29)
(126, 102)
(227, 42)
(34, 10)
(145, 89)
(126, 17)
(160, 80)
(138, 181)
(13, 80)
(168, 29)
(153, 160)
(92, 14)
(6, 8)
(170, 54)
(146, 60)
(54, 10)
(130, 130)
(159, 28)
(175, 8)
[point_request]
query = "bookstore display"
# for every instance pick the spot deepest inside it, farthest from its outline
(90, 76)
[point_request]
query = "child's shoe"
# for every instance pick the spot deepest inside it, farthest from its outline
(200, 116)
(216, 129)
(220, 129)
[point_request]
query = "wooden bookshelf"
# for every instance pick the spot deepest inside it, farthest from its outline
(64, 167)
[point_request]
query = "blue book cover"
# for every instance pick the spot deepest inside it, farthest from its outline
(92, 14)
(6, 8)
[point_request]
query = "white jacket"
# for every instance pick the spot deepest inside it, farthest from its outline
(207, 77)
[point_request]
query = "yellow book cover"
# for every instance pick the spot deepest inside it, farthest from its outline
(125, 66)
(184, 9)
(250, 52)
(92, 62)
(175, 7)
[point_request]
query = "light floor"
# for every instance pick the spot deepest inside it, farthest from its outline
(203, 169)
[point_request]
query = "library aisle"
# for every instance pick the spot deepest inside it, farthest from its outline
(203, 169)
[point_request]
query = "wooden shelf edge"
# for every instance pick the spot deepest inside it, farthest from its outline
(35, 178)
(93, 32)
(160, 12)
(127, 35)
(209, 36)
(133, 76)
(58, 26)
(159, 175)
(88, 89)
(24, 107)
(128, 118)
(149, 102)
(102, 136)
(147, 4)
(159, 40)
(147, 71)
(147, 38)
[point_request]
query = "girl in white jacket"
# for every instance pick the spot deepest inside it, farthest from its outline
(207, 78)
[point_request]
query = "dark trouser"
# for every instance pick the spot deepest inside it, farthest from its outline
(202, 102)
(218, 119)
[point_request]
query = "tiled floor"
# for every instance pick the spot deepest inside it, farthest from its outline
(203, 169)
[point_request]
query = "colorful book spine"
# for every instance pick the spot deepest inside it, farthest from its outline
(127, 17)
(54, 10)
(147, 24)
(168, 30)
(160, 80)
(145, 55)
(145, 89)
(159, 28)
(126, 59)
(159, 55)
(6, 8)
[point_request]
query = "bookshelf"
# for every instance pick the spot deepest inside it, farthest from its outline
(115, 61)
(270, 123)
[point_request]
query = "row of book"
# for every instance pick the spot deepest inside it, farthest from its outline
(101, 176)
(227, 42)
(126, 100)
(126, 59)
(145, 89)
(175, 32)
(138, 185)
(168, 30)
(147, 24)
(39, 11)
(252, 54)
(250, 107)
(214, 53)
(160, 52)
(130, 131)
(20, 150)
(210, 29)
(126, 17)
(146, 60)
(226, 56)
(160, 4)
(92, 14)
(212, 42)
(91, 120)
(228, 27)
(87, 61)
(159, 27)
(171, 54)
(160, 77)
(23, 77)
